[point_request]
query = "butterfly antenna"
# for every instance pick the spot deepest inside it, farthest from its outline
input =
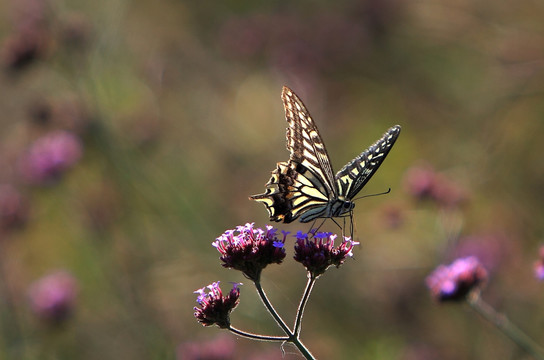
(370, 195)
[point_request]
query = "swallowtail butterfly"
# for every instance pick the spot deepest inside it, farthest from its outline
(305, 187)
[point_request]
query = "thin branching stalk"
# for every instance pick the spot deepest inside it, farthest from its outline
(303, 302)
(256, 336)
(507, 327)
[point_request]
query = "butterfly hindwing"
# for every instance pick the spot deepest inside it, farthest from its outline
(293, 191)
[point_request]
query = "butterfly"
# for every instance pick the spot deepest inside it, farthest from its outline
(305, 187)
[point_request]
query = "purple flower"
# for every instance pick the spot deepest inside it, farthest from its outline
(539, 265)
(13, 208)
(52, 298)
(215, 308)
(317, 252)
(455, 281)
(50, 156)
(250, 250)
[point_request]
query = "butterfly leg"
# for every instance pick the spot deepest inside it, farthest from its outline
(341, 228)
(313, 230)
(351, 225)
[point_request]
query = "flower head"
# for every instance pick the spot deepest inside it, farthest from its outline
(453, 282)
(317, 252)
(250, 250)
(215, 308)
(52, 298)
(50, 156)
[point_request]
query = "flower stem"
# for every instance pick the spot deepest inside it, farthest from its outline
(303, 301)
(507, 327)
(256, 336)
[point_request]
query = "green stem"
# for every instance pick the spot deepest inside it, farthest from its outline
(507, 327)
(303, 302)
(256, 336)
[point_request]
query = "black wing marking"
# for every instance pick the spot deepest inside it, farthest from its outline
(353, 177)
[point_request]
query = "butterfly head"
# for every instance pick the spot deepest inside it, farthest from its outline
(341, 206)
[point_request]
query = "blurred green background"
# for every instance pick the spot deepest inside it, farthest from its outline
(177, 105)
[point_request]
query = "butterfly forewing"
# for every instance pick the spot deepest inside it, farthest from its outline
(304, 141)
(354, 176)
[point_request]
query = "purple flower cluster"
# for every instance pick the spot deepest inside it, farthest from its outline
(250, 249)
(50, 156)
(453, 282)
(215, 308)
(52, 298)
(317, 251)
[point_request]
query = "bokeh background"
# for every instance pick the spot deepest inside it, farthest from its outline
(132, 133)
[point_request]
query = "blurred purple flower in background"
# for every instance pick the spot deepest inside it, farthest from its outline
(539, 264)
(52, 298)
(20, 49)
(220, 348)
(13, 208)
(68, 113)
(325, 41)
(50, 156)
(424, 183)
(453, 282)
(419, 181)
(31, 36)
